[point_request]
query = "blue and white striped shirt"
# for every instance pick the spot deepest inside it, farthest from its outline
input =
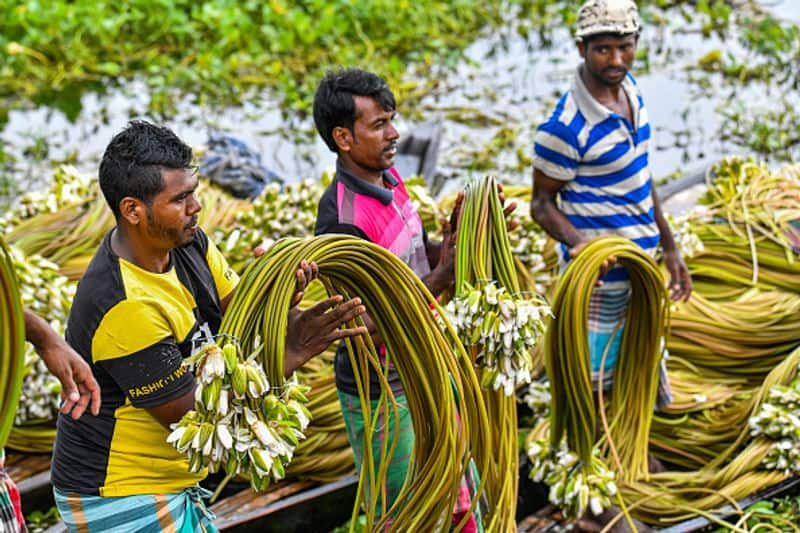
(603, 160)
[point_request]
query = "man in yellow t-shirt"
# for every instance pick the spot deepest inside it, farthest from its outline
(155, 286)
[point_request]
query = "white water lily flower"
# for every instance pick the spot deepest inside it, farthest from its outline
(596, 506)
(198, 392)
(214, 366)
(196, 440)
(261, 461)
(264, 434)
(208, 445)
(176, 435)
(222, 404)
(299, 412)
(224, 436)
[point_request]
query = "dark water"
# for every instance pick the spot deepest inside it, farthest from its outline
(512, 81)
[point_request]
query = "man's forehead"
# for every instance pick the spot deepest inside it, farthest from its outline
(367, 107)
(178, 178)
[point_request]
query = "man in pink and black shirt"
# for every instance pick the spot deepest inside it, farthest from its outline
(353, 112)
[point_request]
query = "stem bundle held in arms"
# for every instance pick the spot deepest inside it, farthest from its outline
(500, 327)
(432, 371)
(12, 342)
(574, 414)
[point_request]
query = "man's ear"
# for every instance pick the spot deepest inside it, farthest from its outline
(581, 48)
(343, 138)
(132, 210)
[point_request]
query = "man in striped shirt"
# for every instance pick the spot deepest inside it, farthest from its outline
(591, 176)
(591, 172)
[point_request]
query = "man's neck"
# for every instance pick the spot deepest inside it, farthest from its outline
(133, 251)
(370, 176)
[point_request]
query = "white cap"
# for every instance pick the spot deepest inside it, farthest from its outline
(607, 16)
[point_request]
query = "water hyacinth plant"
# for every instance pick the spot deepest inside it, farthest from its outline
(240, 424)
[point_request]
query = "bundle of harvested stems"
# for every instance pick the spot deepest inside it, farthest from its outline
(12, 343)
(429, 359)
(500, 329)
(636, 375)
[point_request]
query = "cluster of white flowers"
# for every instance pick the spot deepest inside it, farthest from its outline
(68, 188)
(538, 399)
(48, 294)
(40, 397)
(276, 213)
(238, 423)
(778, 419)
(688, 242)
(528, 240)
(574, 487)
(504, 328)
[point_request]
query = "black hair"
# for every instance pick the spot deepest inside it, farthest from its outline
(334, 105)
(616, 35)
(133, 160)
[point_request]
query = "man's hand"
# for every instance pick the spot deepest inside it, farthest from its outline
(607, 265)
(680, 281)
(311, 331)
(79, 389)
(443, 273)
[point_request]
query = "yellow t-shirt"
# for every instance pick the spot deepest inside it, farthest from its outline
(134, 327)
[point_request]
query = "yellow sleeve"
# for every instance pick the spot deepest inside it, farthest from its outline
(224, 276)
(127, 328)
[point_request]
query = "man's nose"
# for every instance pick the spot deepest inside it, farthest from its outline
(194, 205)
(617, 58)
(391, 132)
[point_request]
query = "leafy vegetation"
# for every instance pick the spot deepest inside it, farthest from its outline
(221, 52)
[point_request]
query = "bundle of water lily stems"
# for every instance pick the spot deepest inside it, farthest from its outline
(735, 472)
(500, 328)
(633, 392)
(433, 367)
(574, 413)
(12, 343)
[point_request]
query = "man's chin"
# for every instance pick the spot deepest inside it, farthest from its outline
(188, 237)
(388, 162)
(614, 79)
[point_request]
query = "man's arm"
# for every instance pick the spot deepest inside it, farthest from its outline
(546, 213)
(441, 255)
(79, 388)
(680, 284)
(172, 411)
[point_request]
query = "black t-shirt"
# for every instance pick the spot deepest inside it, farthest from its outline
(134, 328)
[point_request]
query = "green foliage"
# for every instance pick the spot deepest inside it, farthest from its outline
(220, 51)
(774, 130)
(783, 514)
(38, 521)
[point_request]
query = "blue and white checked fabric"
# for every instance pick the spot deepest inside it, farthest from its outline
(183, 512)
